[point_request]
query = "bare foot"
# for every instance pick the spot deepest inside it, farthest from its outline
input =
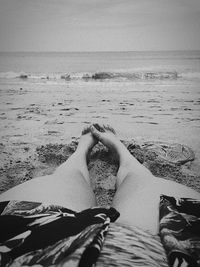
(86, 142)
(106, 135)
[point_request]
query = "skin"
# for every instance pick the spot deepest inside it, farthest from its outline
(138, 191)
(69, 186)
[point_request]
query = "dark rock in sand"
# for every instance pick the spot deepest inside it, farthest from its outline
(102, 75)
(65, 77)
(23, 76)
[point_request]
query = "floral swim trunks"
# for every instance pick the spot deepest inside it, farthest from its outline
(180, 230)
(37, 234)
(34, 233)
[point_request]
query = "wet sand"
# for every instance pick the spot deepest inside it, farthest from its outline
(41, 121)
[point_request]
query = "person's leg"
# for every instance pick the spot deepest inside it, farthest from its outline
(138, 191)
(68, 186)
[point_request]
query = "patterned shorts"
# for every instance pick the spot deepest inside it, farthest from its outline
(48, 235)
(180, 230)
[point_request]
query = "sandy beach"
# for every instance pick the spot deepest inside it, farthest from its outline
(41, 121)
(133, 66)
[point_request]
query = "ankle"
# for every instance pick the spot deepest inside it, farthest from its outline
(125, 158)
(80, 154)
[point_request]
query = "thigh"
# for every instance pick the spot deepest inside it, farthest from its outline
(73, 192)
(139, 204)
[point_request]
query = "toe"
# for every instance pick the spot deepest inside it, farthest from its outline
(95, 132)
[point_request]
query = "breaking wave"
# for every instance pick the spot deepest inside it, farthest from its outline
(118, 76)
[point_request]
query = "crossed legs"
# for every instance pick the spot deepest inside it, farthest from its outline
(137, 195)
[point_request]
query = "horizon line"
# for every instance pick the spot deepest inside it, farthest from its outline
(102, 51)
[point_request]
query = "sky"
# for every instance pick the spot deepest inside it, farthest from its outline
(99, 25)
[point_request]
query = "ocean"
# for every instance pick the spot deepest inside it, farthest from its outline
(54, 64)
(50, 97)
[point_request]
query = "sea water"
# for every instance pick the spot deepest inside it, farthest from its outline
(50, 97)
(39, 64)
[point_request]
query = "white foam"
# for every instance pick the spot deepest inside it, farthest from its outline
(120, 75)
